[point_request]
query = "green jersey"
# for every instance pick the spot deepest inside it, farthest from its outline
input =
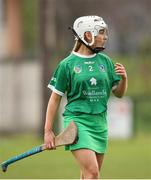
(87, 80)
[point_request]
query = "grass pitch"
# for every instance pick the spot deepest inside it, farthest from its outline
(125, 159)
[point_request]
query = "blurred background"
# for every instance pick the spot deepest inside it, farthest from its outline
(34, 38)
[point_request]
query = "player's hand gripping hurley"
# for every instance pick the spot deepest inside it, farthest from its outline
(67, 137)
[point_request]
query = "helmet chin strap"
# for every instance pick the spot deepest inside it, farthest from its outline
(94, 50)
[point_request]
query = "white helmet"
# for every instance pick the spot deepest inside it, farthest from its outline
(92, 24)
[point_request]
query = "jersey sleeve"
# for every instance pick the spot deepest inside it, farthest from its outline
(114, 77)
(58, 82)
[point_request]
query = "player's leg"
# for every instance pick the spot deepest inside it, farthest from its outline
(100, 158)
(88, 163)
(81, 175)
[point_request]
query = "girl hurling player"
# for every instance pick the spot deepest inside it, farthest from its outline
(87, 76)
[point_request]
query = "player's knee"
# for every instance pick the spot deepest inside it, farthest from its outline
(93, 172)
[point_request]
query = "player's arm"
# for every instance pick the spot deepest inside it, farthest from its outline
(122, 85)
(52, 108)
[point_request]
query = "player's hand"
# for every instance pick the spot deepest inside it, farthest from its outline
(49, 140)
(120, 70)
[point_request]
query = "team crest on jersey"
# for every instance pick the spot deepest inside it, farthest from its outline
(77, 69)
(102, 68)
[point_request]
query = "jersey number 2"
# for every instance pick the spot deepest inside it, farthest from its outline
(90, 68)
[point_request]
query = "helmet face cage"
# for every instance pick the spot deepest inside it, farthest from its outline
(93, 24)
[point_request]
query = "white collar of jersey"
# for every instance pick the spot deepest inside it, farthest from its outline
(83, 56)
